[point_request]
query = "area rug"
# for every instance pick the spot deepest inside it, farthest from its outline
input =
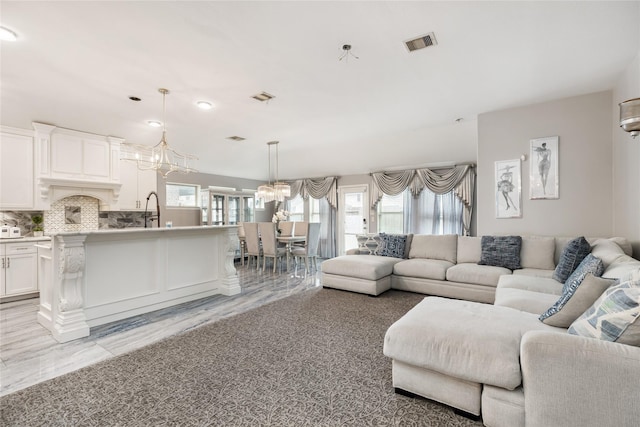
(312, 359)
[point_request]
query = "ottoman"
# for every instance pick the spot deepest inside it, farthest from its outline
(367, 274)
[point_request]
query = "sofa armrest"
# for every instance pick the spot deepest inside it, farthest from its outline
(577, 381)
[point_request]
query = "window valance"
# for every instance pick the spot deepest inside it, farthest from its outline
(316, 188)
(459, 179)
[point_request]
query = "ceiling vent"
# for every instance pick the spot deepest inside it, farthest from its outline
(236, 138)
(421, 42)
(263, 96)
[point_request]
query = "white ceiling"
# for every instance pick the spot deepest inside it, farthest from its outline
(76, 64)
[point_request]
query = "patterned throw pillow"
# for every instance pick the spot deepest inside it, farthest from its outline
(368, 244)
(580, 291)
(392, 245)
(571, 257)
(501, 251)
(614, 316)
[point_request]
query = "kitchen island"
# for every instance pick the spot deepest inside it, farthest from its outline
(91, 278)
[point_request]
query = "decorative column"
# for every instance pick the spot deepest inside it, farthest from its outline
(229, 279)
(70, 321)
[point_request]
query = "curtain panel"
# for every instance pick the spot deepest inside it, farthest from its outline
(459, 179)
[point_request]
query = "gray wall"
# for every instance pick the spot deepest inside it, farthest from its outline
(584, 127)
(626, 155)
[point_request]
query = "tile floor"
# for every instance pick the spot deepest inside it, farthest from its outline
(29, 354)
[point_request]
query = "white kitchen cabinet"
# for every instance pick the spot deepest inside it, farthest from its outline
(16, 169)
(19, 262)
(136, 186)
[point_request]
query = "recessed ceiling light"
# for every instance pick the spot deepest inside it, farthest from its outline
(7, 35)
(135, 98)
(154, 123)
(204, 105)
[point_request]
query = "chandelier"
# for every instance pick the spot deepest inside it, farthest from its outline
(160, 157)
(279, 190)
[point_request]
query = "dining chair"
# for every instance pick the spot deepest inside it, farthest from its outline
(310, 249)
(243, 242)
(286, 228)
(253, 243)
(300, 229)
(270, 247)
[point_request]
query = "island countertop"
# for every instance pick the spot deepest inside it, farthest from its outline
(89, 278)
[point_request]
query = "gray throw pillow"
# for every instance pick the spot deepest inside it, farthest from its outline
(576, 301)
(501, 251)
(393, 245)
(571, 257)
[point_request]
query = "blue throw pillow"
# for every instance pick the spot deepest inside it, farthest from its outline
(392, 245)
(571, 257)
(590, 265)
(501, 251)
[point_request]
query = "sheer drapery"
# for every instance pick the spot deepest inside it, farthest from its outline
(460, 180)
(327, 246)
(326, 191)
(431, 213)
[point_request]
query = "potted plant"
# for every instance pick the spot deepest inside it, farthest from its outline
(38, 230)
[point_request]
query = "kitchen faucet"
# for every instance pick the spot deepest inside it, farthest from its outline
(152, 217)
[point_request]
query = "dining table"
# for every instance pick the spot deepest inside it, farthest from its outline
(289, 241)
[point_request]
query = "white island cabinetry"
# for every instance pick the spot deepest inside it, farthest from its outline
(97, 277)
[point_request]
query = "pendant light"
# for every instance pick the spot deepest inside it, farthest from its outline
(279, 190)
(161, 157)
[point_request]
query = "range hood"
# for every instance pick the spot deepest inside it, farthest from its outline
(54, 189)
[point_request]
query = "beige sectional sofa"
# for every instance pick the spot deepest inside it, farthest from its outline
(443, 265)
(498, 360)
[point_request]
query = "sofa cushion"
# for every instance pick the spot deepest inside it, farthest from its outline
(607, 250)
(476, 274)
(471, 341)
(614, 316)
(423, 268)
(572, 255)
(370, 267)
(469, 249)
(573, 303)
(525, 300)
(442, 247)
(535, 272)
(622, 268)
(531, 283)
(538, 252)
(501, 251)
(392, 245)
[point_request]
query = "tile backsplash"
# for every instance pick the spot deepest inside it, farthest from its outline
(75, 213)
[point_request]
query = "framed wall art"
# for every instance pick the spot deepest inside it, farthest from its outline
(508, 189)
(543, 169)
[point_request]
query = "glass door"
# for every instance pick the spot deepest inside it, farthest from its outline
(353, 214)
(247, 209)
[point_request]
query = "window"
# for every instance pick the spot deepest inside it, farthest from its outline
(391, 214)
(314, 210)
(296, 209)
(430, 213)
(182, 195)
